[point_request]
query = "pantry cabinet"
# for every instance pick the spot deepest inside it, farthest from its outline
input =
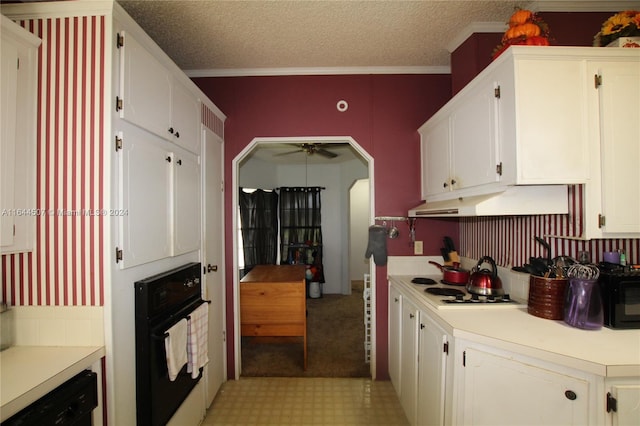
(161, 207)
(19, 62)
(152, 98)
(145, 177)
(527, 119)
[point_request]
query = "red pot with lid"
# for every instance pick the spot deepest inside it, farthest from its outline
(453, 275)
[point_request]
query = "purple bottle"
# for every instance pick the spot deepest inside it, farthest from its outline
(583, 304)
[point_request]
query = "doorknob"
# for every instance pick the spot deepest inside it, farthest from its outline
(212, 268)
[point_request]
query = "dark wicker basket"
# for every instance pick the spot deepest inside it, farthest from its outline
(546, 297)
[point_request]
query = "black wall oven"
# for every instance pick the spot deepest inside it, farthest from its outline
(161, 301)
(620, 288)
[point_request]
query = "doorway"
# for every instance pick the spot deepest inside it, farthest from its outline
(275, 162)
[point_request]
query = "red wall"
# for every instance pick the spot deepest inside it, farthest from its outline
(384, 114)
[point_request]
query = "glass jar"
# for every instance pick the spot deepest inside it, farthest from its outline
(583, 304)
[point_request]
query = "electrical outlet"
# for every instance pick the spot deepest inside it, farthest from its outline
(417, 247)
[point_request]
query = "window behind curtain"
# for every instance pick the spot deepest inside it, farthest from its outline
(259, 227)
(300, 223)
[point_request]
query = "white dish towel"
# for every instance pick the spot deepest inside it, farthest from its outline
(197, 343)
(175, 345)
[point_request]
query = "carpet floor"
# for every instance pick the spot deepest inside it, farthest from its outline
(335, 342)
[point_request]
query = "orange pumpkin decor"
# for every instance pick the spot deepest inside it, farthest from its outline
(525, 28)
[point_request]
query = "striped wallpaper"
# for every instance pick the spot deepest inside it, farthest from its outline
(510, 239)
(66, 267)
(212, 121)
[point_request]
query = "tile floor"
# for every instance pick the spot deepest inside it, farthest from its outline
(305, 401)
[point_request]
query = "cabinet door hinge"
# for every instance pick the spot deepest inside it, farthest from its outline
(14, 230)
(496, 92)
(612, 403)
(118, 255)
(118, 143)
(18, 63)
(597, 80)
(464, 358)
(601, 220)
(499, 169)
(118, 103)
(119, 40)
(445, 348)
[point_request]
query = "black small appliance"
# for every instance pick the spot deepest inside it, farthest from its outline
(620, 289)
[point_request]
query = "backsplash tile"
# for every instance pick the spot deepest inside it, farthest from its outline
(58, 325)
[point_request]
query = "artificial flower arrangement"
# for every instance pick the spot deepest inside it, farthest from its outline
(623, 24)
(525, 28)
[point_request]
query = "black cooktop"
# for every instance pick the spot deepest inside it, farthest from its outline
(421, 280)
(445, 291)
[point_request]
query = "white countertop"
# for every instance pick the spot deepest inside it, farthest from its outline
(30, 372)
(605, 352)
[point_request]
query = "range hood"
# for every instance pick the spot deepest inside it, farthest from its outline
(511, 200)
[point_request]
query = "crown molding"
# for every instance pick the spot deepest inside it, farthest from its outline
(582, 5)
(472, 28)
(260, 72)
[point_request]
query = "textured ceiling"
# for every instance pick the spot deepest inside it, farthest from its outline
(242, 35)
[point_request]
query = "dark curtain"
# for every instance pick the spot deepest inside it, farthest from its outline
(259, 227)
(300, 228)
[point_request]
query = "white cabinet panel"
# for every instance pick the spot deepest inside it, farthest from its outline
(395, 311)
(409, 360)
(145, 88)
(501, 390)
(18, 74)
(627, 410)
(473, 139)
(613, 196)
(435, 157)
(145, 187)
(186, 203)
(185, 117)
(155, 100)
(432, 361)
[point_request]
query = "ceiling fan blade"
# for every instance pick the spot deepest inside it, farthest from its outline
(326, 153)
(288, 153)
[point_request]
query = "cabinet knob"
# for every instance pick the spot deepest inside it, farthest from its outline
(444, 185)
(177, 134)
(212, 268)
(168, 159)
(453, 181)
(179, 162)
(395, 299)
(171, 130)
(422, 326)
(411, 316)
(571, 395)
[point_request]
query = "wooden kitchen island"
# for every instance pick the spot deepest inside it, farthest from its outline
(273, 303)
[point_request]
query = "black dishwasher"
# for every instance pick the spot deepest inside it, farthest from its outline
(70, 403)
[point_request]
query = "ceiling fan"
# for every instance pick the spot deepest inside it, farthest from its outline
(314, 148)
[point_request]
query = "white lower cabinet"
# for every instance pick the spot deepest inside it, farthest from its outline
(409, 359)
(434, 383)
(498, 388)
(623, 402)
(418, 351)
(395, 311)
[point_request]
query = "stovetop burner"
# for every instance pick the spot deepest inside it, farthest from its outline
(439, 291)
(422, 280)
(476, 299)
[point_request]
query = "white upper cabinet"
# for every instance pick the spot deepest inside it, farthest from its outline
(524, 120)
(612, 203)
(156, 100)
(19, 62)
(186, 202)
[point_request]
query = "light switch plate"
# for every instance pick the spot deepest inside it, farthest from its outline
(417, 247)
